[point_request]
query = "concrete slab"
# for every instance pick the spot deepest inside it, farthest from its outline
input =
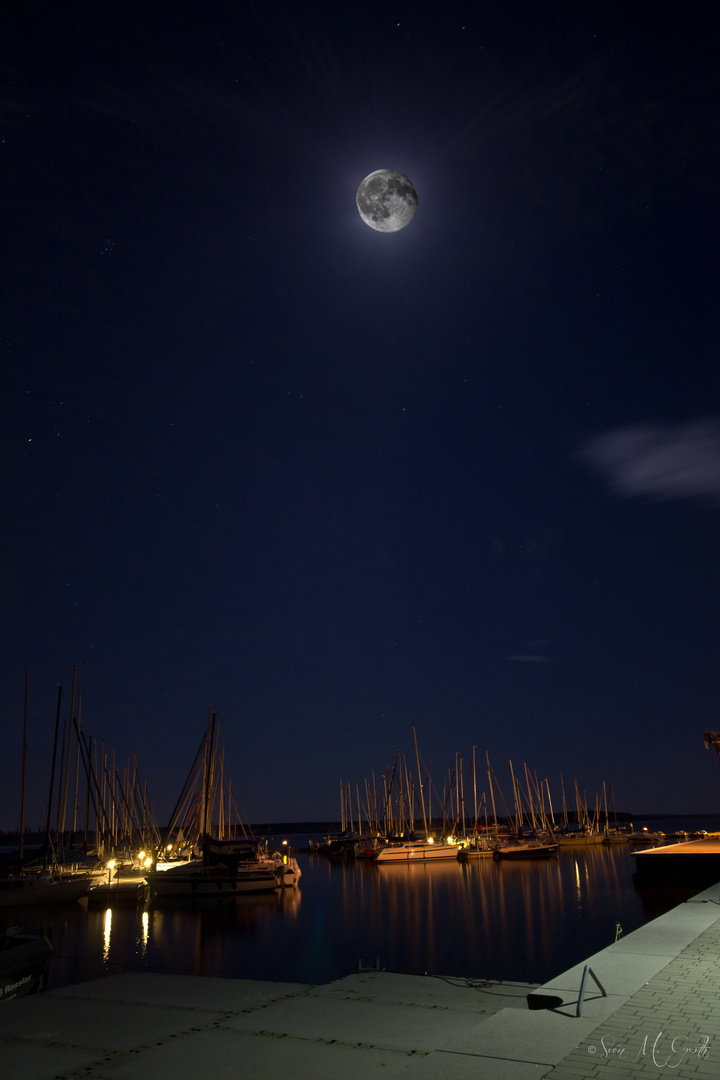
(539, 1038)
(670, 933)
(390, 1027)
(444, 1066)
(707, 896)
(90, 1024)
(620, 976)
(476, 996)
(226, 1055)
(24, 1061)
(185, 991)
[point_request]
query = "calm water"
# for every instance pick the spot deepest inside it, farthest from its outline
(524, 921)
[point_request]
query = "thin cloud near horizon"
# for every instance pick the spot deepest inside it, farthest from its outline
(529, 659)
(660, 461)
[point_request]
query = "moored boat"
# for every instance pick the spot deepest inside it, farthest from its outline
(128, 890)
(525, 849)
(616, 836)
(227, 866)
(579, 838)
(200, 881)
(21, 889)
(368, 848)
(478, 848)
(418, 851)
(644, 836)
(24, 960)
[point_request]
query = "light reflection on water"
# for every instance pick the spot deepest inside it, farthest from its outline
(107, 927)
(525, 921)
(145, 933)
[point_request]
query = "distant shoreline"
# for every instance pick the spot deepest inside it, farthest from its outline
(326, 827)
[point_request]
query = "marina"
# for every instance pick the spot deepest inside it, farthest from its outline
(516, 920)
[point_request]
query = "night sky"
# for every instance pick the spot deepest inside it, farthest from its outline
(334, 484)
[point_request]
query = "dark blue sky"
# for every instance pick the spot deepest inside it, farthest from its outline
(337, 484)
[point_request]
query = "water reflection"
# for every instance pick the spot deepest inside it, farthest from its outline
(107, 927)
(145, 933)
(523, 921)
(484, 919)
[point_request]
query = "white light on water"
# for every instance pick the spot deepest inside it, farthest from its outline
(106, 933)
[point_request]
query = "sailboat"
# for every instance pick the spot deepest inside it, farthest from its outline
(425, 850)
(482, 845)
(586, 832)
(24, 962)
(226, 865)
(520, 846)
(27, 887)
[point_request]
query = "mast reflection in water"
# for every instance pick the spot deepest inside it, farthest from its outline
(524, 921)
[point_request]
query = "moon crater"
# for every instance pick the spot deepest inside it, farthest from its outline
(386, 200)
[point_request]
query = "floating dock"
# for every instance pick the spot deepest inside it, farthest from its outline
(691, 862)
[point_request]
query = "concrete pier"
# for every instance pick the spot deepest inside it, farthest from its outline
(651, 1007)
(696, 861)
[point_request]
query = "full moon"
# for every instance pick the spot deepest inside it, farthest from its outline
(386, 200)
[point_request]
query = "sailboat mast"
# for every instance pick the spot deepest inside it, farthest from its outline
(422, 797)
(492, 793)
(22, 782)
(69, 745)
(77, 763)
(52, 781)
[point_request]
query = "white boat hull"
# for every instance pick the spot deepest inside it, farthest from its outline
(19, 891)
(417, 851)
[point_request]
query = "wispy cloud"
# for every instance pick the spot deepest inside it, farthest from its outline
(659, 461)
(529, 659)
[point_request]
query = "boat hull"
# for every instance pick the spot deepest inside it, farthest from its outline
(131, 891)
(199, 884)
(526, 851)
(580, 840)
(16, 892)
(417, 851)
(24, 960)
(467, 854)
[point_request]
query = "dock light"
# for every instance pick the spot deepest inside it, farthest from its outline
(110, 867)
(285, 850)
(141, 855)
(148, 863)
